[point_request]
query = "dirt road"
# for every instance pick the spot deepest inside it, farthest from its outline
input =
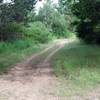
(31, 79)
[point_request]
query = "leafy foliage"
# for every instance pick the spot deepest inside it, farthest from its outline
(38, 32)
(21, 9)
(59, 25)
(65, 9)
(56, 22)
(13, 52)
(11, 31)
(16, 10)
(88, 13)
(88, 32)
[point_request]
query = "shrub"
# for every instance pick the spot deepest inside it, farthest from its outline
(38, 32)
(10, 31)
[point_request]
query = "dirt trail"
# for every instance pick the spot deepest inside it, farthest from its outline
(33, 79)
(29, 81)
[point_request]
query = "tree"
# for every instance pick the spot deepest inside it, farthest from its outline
(88, 25)
(14, 11)
(65, 9)
(22, 8)
(46, 13)
(54, 20)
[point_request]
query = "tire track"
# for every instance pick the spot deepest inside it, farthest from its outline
(29, 81)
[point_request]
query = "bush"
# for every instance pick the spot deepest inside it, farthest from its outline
(88, 32)
(10, 31)
(38, 32)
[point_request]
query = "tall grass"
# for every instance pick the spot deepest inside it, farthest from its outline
(79, 64)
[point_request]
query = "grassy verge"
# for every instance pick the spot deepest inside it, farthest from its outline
(79, 65)
(11, 53)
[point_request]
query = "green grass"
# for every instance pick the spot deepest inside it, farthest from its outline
(79, 65)
(11, 53)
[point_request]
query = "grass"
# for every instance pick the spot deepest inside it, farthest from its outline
(78, 65)
(11, 53)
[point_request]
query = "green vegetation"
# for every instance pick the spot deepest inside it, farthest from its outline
(84, 21)
(79, 64)
(11, 53)
(11, 31)
(36, 30)
(88, 20)
(53, 19)
(23, 32)
(15, 10)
